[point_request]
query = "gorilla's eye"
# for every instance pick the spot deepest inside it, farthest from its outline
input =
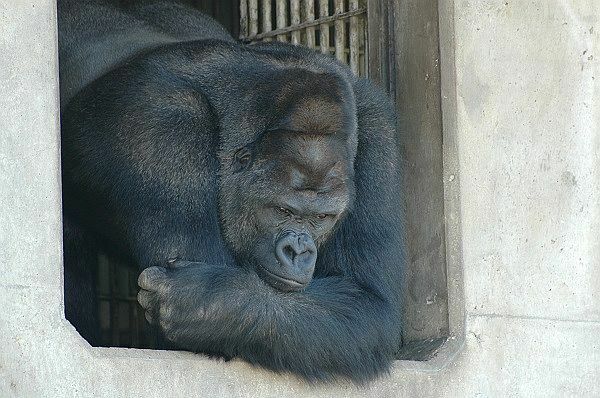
(242, 159)
(284, 211)
(322, 216)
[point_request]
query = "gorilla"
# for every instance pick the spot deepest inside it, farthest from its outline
(256, 188)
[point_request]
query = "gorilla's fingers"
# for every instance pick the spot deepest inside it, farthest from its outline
(145, 298)
(148, 301)
(177, 263)
(149, 317)
(152, 277)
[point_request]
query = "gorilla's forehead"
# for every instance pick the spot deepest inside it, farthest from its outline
(312, 102)
(292, 99)
(314, 115)
(308, 153)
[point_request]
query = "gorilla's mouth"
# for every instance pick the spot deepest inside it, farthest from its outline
(280, 282)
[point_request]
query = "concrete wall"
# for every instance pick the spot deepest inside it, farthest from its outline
(521, 172)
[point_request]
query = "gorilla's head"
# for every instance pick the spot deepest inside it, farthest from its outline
(282, 194)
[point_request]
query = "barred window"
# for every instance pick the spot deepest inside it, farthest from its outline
(331, 26)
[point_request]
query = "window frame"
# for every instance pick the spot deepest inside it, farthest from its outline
(45, 343)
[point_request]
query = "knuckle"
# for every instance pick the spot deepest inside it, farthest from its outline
(143, 298)
(165, 312)
(151, 276)
(178, 263)
(148, 317)
(166, 327)
(166, 290)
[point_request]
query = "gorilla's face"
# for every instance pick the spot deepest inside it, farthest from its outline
(283, 200)
(282, 195)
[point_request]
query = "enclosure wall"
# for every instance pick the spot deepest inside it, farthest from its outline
(521, 110)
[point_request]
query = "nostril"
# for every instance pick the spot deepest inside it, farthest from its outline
(306, 244)
(289, 252)
(296, 252)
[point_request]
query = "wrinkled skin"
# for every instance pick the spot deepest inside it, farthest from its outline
(256, 188)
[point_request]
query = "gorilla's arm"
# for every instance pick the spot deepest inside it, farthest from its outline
(346, 323)
(333, 328)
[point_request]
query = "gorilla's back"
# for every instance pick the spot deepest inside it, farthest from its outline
(95, 36)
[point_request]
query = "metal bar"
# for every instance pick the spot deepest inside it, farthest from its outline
(364, 53)
(253, 11)
(104, 305)
(324, 28)
(340, 31)
(295, 20)
(354, 39)
(217, 8)
(243, 18)
(114, 304)
(266, 18)
(280, 8)
(134, 327)
(376, 40)
(309, 8)
(134, 331)
(304, 25)
(391, 52)
(346, 51)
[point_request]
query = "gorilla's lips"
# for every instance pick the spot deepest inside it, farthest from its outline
(279, 282)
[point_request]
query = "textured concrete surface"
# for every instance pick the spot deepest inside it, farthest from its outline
(522, 169)
(530, 113)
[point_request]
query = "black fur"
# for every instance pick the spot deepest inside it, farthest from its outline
(156, 100)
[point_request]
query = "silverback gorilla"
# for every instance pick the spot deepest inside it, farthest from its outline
(256, 187)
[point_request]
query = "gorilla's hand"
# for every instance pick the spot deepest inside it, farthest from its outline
(155, 290)
(187, 300)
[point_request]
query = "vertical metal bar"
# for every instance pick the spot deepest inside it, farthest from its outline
(324, 28)
(234, 17)
(134, 331)
(134, 325)
(354, 43)
(281, 10)
(243, 18)
(217, 8)
(364, 48)
(114, 304)
(103, 302)
(365, 58)
(340, 32)
(266, 18)
(253, 11)
(309, 7)
(204, 5)
(295, 20)
(391, 53)
(376, 40)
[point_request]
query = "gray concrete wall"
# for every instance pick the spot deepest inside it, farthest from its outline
(521, 174)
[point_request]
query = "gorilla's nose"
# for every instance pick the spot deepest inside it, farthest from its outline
(297, 253)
